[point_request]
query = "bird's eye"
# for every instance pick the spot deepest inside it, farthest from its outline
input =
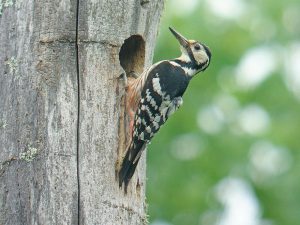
(197, 47)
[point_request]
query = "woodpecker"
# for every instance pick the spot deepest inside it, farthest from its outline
(156, 95)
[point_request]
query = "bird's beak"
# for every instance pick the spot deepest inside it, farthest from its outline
(182, 40)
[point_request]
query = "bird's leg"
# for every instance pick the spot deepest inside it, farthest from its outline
(123, 82)
(133, 74)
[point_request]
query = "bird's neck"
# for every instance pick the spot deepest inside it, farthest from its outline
(187, 65)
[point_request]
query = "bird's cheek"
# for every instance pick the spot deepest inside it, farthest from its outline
(201, 58)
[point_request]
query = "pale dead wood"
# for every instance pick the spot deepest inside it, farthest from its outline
(57, 159)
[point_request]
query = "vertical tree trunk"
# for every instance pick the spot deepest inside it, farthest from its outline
(60, 103)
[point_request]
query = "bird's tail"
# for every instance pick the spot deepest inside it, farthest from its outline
(130, 162)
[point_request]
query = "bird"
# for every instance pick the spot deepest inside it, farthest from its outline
(155, 95)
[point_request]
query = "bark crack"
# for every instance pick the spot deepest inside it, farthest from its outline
(143, 217)
(4, 165)
(78, 112)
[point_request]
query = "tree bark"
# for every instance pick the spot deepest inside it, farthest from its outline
(60, 106)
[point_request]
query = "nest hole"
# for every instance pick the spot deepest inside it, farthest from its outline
(132, 54)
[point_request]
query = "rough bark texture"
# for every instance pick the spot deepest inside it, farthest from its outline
(60, 108)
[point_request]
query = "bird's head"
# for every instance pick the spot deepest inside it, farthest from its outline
(193, 52)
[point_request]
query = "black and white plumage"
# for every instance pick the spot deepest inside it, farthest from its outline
(158, 94)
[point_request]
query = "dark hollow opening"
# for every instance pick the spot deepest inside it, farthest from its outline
(132, 54)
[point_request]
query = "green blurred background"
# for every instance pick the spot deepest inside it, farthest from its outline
(230, 155)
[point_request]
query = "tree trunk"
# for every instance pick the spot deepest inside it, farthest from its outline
(60, 106)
